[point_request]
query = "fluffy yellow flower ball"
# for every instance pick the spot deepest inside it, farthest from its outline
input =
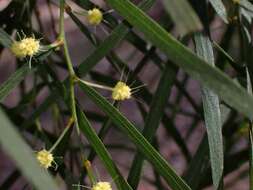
(102, 186)
(94, 17)
(26, 47)
(45, 158)
(121, 91)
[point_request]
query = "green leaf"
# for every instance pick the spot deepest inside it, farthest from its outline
(148, 151)
(13, 81)
(220, 9)
(212, 114)
(153, 118)
(249, 88)
(101, 151)
(209, 76)
(5, 39)
(183, 15)
(246, 9)
(24, 157)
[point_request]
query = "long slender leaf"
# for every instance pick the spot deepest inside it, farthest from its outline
(161, 166)
(5, 39)
(220, 9)
(209, 76)
(249, 88)
(21, 153)
(13, 81)
(100, 149)
(183, 15)
(153, 119)
(211, 114)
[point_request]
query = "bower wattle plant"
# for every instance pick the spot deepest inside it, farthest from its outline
(189, 128)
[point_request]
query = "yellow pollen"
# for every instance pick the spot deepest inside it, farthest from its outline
(102, 186)
(25, 47)
(45, 158)
(95, 16)
(121, 91)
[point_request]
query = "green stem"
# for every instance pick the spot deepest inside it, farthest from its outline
(90, 173)
(71, 120)
(95, 85)
(69, 63)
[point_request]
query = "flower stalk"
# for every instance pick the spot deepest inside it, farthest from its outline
(69, 64)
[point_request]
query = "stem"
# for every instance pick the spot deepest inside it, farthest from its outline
(95, 85)
(70, 122)
(90, 173)
(63, 38)
(69, 64)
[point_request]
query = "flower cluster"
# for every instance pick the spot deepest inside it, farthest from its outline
(45, 158)
(102, 186)
(94, 17)
(25, 47)
(121, 91)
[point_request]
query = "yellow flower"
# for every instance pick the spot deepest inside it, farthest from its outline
(121, 91)
(45, 158)
(102, 186)
(95, 16)
(26, 47)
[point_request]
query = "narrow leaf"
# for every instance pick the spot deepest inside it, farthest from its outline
(153, 119)
(249, 88)
(24, 157)
(5, 39)
(101, 151)
(13, 81)
(211, 114)
(220, 9)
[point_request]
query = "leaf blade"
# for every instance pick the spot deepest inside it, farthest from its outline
(220, 9)
(13, 81)
(153, 118)
(212, 114)
(100, 149)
